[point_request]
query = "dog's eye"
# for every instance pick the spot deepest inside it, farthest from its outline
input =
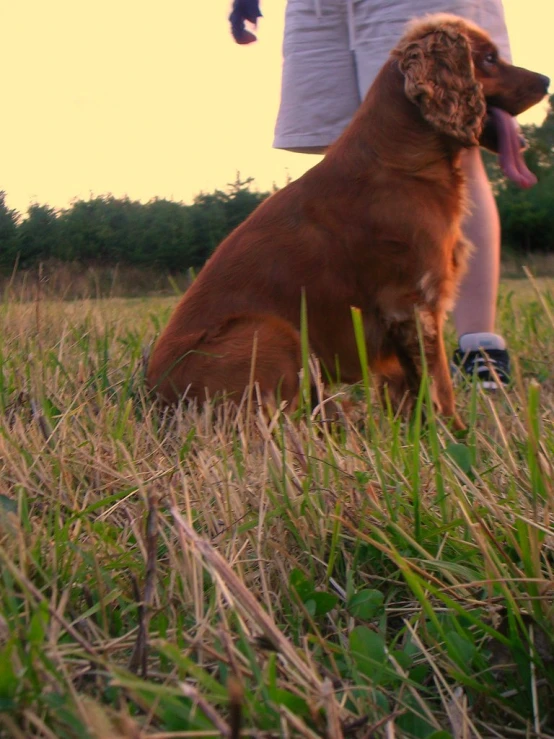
(491, 58)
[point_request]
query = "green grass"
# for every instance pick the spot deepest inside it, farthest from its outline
(165, 575)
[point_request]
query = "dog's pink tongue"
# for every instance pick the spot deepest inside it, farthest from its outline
(510, 157)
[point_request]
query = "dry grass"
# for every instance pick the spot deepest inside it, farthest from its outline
(73, 281)
(174, 576)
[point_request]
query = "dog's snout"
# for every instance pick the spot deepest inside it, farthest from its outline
(546, 81)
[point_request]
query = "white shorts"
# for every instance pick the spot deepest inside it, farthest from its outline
(333, 50)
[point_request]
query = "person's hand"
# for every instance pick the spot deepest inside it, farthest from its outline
(244, 10)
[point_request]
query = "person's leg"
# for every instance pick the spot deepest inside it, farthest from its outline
(475, 309)
(480, 349)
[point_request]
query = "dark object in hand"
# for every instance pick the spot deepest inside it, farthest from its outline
(244, 10)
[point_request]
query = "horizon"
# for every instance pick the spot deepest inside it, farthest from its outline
(142, 102)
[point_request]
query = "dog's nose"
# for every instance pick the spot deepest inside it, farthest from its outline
(546, 82)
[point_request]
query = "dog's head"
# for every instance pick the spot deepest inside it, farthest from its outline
(454, 73)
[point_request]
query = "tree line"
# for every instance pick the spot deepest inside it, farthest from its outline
(173, 236)
(107, 230)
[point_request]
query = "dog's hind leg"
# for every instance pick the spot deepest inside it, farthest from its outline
(223, 362)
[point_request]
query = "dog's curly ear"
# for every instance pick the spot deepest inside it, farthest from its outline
(439, 77)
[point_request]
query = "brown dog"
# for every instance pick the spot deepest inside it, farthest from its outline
(375, 225)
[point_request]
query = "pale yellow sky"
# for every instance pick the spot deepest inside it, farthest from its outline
(153, 99)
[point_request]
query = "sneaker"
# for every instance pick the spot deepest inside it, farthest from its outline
(485, 357)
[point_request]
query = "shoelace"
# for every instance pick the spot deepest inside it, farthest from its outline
(479, 363)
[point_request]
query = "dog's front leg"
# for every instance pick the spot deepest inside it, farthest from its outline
(399, 371)
(405, 340)
(432, 325)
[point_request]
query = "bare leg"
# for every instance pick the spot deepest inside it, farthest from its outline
(475, 309)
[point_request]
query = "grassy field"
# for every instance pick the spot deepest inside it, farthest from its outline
(174, 576)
